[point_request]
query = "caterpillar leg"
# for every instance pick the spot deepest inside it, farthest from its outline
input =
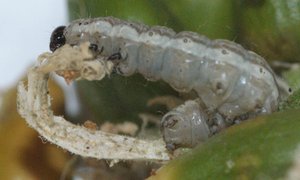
(185, 126)
(115, 56)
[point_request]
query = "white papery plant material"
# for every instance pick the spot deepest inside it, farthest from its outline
(34, 106)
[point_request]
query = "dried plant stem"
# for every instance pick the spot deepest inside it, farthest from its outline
(34, 106)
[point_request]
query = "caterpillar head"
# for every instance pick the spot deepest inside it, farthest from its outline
(64, 35)
(57, 38)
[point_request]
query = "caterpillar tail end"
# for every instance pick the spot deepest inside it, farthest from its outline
(185, 126)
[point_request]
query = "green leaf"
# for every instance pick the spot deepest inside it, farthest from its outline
(261, 148)
(214, 19)
(271, 28)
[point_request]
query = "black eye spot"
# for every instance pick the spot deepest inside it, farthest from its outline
(57, 38)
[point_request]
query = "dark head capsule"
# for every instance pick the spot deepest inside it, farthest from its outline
(57, 38)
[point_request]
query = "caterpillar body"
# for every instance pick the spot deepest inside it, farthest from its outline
(232, 83)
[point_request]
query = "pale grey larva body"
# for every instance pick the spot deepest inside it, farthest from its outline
(231, 82)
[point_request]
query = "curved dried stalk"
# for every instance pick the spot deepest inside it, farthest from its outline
(34, 106)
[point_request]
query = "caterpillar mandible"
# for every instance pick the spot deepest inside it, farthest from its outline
(233, 84)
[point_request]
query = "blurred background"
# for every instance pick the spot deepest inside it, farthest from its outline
(268, 27)
(24, 33)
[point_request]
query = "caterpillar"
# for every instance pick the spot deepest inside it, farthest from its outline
(232, 83)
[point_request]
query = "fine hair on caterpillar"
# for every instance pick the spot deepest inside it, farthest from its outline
(232, 83)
